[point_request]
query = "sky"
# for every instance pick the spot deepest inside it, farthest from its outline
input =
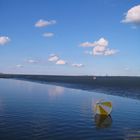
(70, 37)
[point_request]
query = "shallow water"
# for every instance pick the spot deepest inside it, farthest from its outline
(35, 111)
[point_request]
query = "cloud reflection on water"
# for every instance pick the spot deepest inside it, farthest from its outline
(55, 91)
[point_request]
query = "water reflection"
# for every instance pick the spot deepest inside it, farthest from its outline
(103, 121)
(55, 91)
(119, 91)
(53, 112)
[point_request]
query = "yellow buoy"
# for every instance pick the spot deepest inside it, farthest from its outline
(103, 107)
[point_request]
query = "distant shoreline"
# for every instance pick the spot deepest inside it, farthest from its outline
(125, 86)
(117, 81)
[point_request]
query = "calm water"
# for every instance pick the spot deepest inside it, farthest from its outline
(34, 111)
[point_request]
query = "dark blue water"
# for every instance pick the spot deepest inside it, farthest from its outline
(34, 111)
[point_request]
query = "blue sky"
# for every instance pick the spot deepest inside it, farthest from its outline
(70, 37)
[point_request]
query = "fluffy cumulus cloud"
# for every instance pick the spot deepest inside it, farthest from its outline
(77, 65)
(132, 15)
(53, 58)
(101, 42)
(61, 62)
(4, 40)
(43, 23)
(100, 47)
(48, 34)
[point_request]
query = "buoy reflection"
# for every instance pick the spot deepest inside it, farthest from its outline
(103, 121)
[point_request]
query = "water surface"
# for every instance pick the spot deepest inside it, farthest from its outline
(35, 111)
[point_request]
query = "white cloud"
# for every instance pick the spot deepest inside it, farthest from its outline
(87, 44)
(96, 51)
(110, 52)
(48, 34)
(77, 65)
(31, 61)
(4, 40)
(100, 47)
(43, 23)
(133, 15)
(58, 61)
(53, 58)
(101, 42)
(61, 62)
(19, 66)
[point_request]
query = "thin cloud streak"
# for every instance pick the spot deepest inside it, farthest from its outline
(61, 62)
(32, 61)
(44, 23)
(78, 65)
(53, 58)
(48, 34)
